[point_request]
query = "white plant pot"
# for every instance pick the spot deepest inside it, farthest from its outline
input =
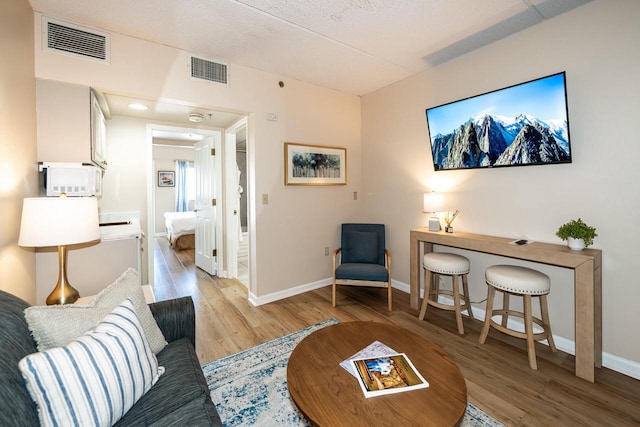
(575, 244)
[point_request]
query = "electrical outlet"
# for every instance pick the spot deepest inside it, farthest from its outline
(326, 251)
(265, 199)
(355, 195)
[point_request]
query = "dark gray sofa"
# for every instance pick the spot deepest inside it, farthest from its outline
(179, 398)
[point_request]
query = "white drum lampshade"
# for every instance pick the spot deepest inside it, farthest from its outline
(59, 221)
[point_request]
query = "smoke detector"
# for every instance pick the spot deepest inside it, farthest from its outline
(195, 117)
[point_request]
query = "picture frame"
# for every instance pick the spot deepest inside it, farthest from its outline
(314, 164)
(166, 179)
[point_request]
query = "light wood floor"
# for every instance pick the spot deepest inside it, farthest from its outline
(497, 374)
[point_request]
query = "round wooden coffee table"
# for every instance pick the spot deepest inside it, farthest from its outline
(328, 395)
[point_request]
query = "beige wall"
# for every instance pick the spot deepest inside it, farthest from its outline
(290, 233)
(18, 171)
(597, 46)
(64, 122)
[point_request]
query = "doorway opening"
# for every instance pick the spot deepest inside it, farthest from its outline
(236, 190)
(223, 196)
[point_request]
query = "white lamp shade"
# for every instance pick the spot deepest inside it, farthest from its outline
(433, 202)
(58, 221)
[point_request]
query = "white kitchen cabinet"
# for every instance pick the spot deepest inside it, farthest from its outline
(98, 133)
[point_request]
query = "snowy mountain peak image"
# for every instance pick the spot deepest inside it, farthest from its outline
(523, 124)
(499, 141)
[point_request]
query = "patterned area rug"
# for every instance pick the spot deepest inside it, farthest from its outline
(249, 388)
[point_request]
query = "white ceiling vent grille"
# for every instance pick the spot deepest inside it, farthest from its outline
(76, 40)
(209, 70)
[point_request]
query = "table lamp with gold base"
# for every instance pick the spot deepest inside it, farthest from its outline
(59, 221)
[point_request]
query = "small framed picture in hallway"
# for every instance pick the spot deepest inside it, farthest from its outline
(166, 179)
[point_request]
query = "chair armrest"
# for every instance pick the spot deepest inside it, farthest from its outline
(176, 318)
(387, 258)
(336, 255)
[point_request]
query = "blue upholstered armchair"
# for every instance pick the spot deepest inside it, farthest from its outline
(363, 259)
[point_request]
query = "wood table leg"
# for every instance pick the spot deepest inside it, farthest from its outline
(585, 319)
(414, 275)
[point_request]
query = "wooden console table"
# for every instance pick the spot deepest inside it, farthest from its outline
(586, 264)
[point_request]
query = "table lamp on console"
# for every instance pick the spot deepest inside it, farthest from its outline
(433, 203)
(59, 221)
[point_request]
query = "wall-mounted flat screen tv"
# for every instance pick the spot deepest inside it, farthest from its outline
(524, 124)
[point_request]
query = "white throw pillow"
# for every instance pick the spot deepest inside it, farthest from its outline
(95, 379)
(56, 325)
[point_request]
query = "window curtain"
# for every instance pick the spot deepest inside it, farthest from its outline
(182, 185)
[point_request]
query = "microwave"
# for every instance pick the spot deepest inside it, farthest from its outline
(73, 180)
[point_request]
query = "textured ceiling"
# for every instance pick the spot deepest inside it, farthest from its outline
(353, 46)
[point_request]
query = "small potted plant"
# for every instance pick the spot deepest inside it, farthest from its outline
(577, 234)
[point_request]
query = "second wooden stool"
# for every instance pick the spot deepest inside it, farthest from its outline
(525, 282)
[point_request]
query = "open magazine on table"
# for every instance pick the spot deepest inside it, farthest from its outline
(381, 370)
(374, 349)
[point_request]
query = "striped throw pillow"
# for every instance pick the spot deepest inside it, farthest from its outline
(95, 379)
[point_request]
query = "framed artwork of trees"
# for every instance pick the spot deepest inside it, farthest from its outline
(314, 165)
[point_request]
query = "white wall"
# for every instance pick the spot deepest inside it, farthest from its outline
(164, 159)
(290, 233)
(597, 46)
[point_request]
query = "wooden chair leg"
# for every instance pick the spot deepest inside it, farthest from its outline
(467, 298)
(505, 307)
(435, 285)
(427, 291)
(528, 327)
(456, 304)
(487, 318)
(544, 310)
(333, 292)
(390, 295)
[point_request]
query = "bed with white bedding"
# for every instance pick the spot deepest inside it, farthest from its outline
(181, 228)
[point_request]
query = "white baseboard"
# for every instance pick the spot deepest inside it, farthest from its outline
(613, 362)
(276, 296)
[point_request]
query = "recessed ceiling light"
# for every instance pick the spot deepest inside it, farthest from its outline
(140, 107)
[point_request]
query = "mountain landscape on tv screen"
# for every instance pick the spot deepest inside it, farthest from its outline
(491, 140)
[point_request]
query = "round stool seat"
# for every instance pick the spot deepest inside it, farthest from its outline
(518, 280)
(446, 263)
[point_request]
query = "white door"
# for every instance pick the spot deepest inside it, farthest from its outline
(232, 200)
(205, 206)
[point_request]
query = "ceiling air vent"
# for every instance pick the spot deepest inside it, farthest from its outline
(209, 70)
(75, 40)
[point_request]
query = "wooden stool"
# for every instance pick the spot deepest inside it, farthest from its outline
(525, 282)
(445, 264)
